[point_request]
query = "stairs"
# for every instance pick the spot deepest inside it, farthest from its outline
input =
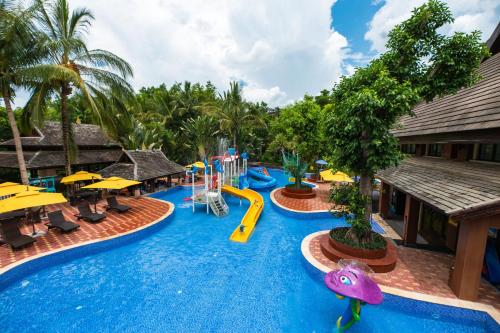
(217, 204)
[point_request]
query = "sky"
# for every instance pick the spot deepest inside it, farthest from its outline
(278, 50)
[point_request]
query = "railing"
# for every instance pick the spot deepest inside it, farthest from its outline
(218, 204)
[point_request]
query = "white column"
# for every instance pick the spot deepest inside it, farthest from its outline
(192, 187)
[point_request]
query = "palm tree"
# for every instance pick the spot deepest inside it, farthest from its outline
(18, 56)
(234, 113)
(201, 134)
(96, 74)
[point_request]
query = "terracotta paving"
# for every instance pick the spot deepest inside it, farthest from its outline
(143, 211)
(419, 271)
(320, 202)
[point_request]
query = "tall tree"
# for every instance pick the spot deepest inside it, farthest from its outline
(234, 113)
(18, 54)
(419, 64)
(201, 133)
(96, 74)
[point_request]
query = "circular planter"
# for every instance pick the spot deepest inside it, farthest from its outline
(356, 251)
(298, 193)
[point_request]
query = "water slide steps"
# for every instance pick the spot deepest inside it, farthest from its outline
(251, 216)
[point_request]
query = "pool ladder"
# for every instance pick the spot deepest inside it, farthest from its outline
(218, 205)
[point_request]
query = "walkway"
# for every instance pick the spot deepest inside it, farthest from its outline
(143, 212)
(416, 270)
(320, 202)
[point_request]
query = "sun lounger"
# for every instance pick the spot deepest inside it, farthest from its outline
(114, 205)
(57, 221)
(86, 213)
(13, 236)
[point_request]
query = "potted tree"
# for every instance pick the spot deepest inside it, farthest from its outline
(297, 169)
(419, 65)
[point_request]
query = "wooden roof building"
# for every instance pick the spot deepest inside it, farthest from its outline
(43, 150)
(448, 190)
(142, 165)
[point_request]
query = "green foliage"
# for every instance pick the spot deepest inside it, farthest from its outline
(5, 131)
(235, 114)
(352, 207)
(201, 135)
(299, 127)
(420, 64)
(297, 168)
(342, 235)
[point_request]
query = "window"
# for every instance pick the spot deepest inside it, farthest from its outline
(434, 150)
(409, 148)
(489, 152)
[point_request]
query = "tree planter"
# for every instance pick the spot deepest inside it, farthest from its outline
(298, 193)
(380, 260)
(358, 252)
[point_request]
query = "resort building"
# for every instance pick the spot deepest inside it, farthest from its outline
(148, 166)
(96, 152)
(43, 151)
(446, 194)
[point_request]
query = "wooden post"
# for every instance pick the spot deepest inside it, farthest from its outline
(385, 200)
(412, 210)
(466, 275)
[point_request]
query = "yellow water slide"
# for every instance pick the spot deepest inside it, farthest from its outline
(252, 215)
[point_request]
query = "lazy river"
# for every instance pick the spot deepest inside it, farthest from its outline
(184, 275)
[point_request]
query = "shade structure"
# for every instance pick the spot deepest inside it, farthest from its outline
(80, 176)
(9, 188)
(113, 183)
(338, 176)
(30, 199)
(321, 162)
(198, 164)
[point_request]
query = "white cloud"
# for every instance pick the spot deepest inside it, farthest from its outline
(469, 15)
(281, 49)
(272, 96)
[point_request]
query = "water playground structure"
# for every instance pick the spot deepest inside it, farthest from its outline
(352, 281)
(229, 173)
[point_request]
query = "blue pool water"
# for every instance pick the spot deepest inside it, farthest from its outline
(186, 276)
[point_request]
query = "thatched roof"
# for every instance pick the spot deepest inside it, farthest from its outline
(142, 165)
(50, 135)
(44, 159)
(451, 187)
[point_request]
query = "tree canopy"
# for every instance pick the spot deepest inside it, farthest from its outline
(419, 65)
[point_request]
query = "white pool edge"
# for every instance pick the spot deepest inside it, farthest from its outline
(494, 313)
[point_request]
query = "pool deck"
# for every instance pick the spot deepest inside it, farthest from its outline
(318, 204)
(144, 212)
(418, 274)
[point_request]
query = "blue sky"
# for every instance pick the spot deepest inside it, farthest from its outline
(350, 18)
(280, 49)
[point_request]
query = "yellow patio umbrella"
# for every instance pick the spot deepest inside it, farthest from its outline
(80, 176)
(113, 183)
(338, 176)
(198, 164)
(9, 188)
(29, 199)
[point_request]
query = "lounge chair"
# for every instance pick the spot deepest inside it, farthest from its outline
(13, 236)
(86, 213)
(114, 205)
(57, 221)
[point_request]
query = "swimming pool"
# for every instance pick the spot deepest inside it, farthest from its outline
(184, 275)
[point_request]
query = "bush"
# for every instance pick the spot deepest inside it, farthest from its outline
(340, 235)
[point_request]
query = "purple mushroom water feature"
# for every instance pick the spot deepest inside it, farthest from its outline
(352, 281)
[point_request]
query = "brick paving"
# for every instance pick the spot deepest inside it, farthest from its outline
(320, 202)
(419, 271)
(143, 211)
